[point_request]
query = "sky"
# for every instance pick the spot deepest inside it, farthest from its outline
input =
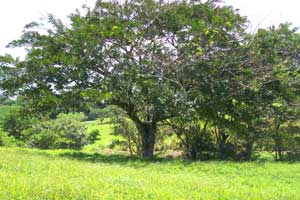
(265, 13)
(15, 14)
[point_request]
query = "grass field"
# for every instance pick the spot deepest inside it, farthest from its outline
(65, 174)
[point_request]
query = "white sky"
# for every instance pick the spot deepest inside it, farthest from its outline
(264, 13)
(15, 14)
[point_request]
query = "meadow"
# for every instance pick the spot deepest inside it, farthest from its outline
(67, 174)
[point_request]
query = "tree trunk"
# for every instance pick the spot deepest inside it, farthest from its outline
(193, 153)
(248, 150)
(246, 153)
(278, 152)
(130, 145)
(222, 143)
(147, 132)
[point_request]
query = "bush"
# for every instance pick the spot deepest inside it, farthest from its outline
(92, 136)
(126, 128)
(195, 138)
(6, 140)
(67, 131)
(14, 123)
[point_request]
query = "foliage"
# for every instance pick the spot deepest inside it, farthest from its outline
(8, 141)
(67, 131)
(99, 112)
(125, 53)
(194, 136)
(6, 101)
(126, 128)
(182, 62)
(16, 122)
(4, 110)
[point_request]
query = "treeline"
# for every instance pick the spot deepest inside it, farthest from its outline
(187, 65)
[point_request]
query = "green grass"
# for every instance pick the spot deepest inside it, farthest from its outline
(65, 174)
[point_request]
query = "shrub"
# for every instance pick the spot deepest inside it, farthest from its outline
(195, 138)
(6, 140)
(67, 131)
(126, 128)
(14, 123)
(92, 136)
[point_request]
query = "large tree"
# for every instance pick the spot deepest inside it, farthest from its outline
(143, 56)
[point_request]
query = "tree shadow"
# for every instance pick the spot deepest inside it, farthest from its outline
(133, 161)
(138, 162)
(291, 157)
(125, 160)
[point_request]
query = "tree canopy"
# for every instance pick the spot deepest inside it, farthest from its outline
(179, 62)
